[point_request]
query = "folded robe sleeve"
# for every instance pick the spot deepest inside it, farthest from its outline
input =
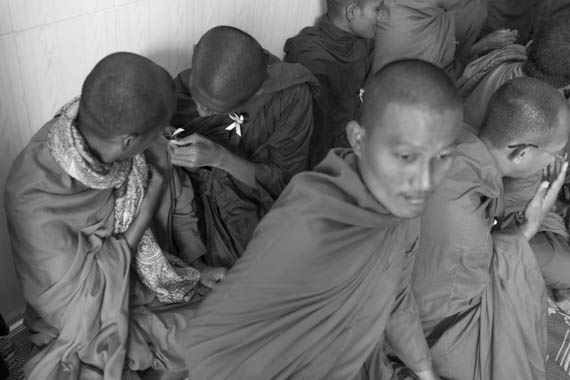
(185, 222)
(404, 330)
(288, 146)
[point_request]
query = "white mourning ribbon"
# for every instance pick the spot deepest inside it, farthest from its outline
(238, 121)
(361, 95)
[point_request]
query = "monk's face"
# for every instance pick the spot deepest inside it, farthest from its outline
(365, 20)
(406, 154)
(548, 150)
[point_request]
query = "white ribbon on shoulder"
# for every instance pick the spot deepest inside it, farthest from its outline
(238, 121)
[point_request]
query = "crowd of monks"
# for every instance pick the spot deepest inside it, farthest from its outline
(384, 203)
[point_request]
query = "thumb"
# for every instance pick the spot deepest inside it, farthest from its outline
(188, 140)
(540, 193)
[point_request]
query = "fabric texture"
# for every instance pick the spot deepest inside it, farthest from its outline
(482, 77)
(416, 29)
(330, 271)
(275, 138)
(169, 277)
(341, 61)
(470, 16)
(478, 288)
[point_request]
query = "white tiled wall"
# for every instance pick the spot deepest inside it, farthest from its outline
(48, 47)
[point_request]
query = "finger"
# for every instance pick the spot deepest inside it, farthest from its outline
(207, 282)
(538, 198)
(555, 187)
(188, 140)
(184, 163)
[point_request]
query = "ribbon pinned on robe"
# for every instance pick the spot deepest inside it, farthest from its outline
(238, 121)
(171, 279)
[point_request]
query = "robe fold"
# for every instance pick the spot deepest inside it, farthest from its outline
(482, 77)
(477, 289)
(325, 276)
(551, 245)
(88, 317)
(470, 16)
(513, 14)
(341, 62)
(415, 29)
(275, 138)
(175, 224)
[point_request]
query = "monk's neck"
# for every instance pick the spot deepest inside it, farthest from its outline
(497, 157)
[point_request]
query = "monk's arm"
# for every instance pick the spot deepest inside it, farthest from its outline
(404, 331)
(184, 221)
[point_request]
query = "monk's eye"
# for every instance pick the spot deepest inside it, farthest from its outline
(444, 156)
(406, 157)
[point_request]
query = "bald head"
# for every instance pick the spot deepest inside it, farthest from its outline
(125, 93)
(228, 67)
(409, 82)
(523, 110)
(336, 8)
(549, 54)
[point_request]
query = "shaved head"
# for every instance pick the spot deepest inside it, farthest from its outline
(125, 93)
(523, 110)
(228, 67)
(337, 7)
(549, 54)
(409, 82)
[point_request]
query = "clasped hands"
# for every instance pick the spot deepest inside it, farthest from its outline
(196, 151)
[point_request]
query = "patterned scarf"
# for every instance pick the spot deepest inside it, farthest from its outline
(171, 279)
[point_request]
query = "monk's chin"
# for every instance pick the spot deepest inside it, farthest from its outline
(408, 210)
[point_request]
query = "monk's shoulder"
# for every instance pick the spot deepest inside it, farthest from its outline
(34, 173)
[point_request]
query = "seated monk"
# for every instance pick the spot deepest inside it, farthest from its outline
(479, 289)
(546, 58)
(79, 200)
(240, 163)
(444, 32)
(339, 52)
(327, 274)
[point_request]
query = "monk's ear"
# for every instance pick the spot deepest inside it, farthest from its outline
(128, 141)
(519, 154)
(356, 137)
(350, 11)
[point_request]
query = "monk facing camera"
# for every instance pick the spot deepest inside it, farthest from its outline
(329, 266)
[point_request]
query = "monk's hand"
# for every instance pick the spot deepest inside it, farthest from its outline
(498, 39)
(196, 151)
(544, 198)
(148, 206)
(211, 276)
(427, 375)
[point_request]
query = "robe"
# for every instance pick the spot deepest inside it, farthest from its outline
(324, 279)
(551, 245)
(513, 14)
(482, 77)
(341, 62)
(415, 29)
(88, 316)
(470, 17)
(275, 138)
(480, 293)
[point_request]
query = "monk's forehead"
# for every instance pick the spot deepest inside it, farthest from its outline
(418, 125)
